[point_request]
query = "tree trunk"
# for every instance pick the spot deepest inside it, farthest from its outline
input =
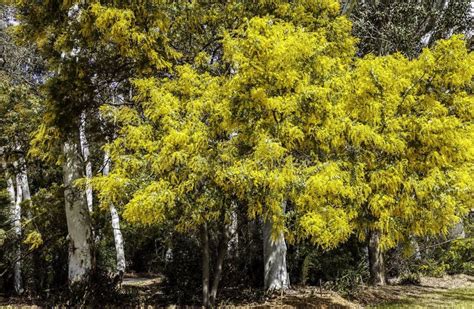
(205, 265)
(233, 242)
(85, 154)
(15, 218)
(457, 231)
(77, 215)
(416, 248)
(221, 253)
(25, 187)
(274, 257)
(376, 261)
(118, 238)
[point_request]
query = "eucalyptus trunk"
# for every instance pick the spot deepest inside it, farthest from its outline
(88, 165)
(77, 215)
(16, 218)
(274, 257)
(118, 238)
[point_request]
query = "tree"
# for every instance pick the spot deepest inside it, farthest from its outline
(197, 141)
(410, 144)
(281, 70)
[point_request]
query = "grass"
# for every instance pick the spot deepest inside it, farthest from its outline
(441, 298)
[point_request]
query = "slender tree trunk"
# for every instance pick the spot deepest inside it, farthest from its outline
(88, 165)
(16, 218)
(233, 242)
(22, 181)
(205, 265)
(118, 238)
(77, 215)
(221, 253)
(376, 261)
(274, 257)
(416, 248)
(25, 187)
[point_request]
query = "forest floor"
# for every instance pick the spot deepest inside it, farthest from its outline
(447, 292)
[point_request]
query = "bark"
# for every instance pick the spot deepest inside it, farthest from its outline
(118, 238)
(457, 231)
(205, 265)
(416, 249)
(221, 253)
(233, 243)
(25, 187)
(88, 165)
(274, 257)
(16, 219)
(77, 215)
(376, 261)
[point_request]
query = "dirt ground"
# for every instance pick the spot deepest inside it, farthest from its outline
(447, 292)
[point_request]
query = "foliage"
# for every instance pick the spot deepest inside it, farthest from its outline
(343, 269)
(385, 27)
(410, 279)
(409, 122)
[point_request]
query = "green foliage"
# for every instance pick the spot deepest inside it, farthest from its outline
(433, 268)
(410, 279)
(459, 257)
(343, 269)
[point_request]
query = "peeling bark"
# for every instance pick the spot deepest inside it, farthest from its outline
(77, 215)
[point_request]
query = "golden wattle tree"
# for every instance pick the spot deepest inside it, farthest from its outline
(410, 141)
(196, 142)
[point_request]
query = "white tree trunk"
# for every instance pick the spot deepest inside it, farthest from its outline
(85, 154)
(25, 187)
(274, 257)
(77, 215)
(16, 219)
(15, 216)
(118, 238)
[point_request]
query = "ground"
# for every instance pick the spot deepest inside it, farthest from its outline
(447, 292)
